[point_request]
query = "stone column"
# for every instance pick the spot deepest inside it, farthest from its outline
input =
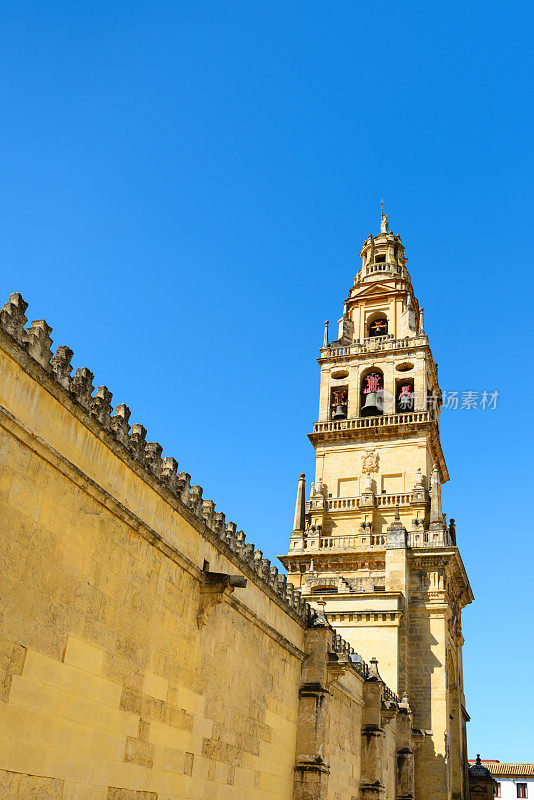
(311, 767)
(405, 756)
(373, 739)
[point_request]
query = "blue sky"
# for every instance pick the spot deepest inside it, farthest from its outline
(185, 189)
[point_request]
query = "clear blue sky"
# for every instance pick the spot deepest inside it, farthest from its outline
(185, 188)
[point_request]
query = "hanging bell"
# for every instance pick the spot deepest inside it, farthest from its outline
(340, 412)
(370, 407)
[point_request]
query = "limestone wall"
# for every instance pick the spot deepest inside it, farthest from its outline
(130, 666)
(345, 741)
(107, 681)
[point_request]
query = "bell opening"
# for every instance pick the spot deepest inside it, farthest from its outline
(378, 326)
(339, 400)
(372, 395)
(404, 396)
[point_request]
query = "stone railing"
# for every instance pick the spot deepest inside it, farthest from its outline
(342, 503)
(333, 504)
(381, 266)
(372, 345)
(35, 342)
(428, 539)
(381, 421)
(358, 541)
(392, 500)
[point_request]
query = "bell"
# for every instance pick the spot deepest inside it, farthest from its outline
(339, 413)
(370, 407)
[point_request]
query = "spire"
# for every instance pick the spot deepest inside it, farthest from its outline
(300, 505)
(384, 228)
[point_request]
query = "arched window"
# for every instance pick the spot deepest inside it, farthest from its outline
(377, 325)
(324, 590)
(372, 393)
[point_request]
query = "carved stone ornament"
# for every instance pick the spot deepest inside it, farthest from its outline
(214, 587)
(370, 461)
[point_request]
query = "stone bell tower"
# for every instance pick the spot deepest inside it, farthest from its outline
(372, 540)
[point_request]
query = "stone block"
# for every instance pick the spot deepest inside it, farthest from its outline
(48, 671)
(83, 655)
(155, 685)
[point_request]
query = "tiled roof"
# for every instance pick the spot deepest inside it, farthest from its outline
(500, 770)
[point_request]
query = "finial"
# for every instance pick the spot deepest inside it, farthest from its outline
(320, 619)
(325, 339)
(373, 668)
(299, 523)
(383, 219)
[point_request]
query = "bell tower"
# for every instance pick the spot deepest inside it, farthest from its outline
(372, 540)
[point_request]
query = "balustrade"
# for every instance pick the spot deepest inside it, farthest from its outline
(361, 541)
(429, 539)
(381, 421)
(369, 541)
(374, 343)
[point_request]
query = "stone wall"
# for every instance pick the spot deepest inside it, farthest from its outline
(147, 651)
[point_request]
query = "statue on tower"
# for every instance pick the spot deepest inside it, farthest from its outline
(384, 227)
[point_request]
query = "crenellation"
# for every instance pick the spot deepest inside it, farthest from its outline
(194, 501)
(282, 586)
(61, 366)
(169, 468)
(81, 386)
(290, 591)
(119, 424)
(182, 487)
(208, 510)
(240, 545)
(273, 578)
(257, 561)
(229, 536)
(38, 342)
(248, 553)
(219, 525)
(13, 318)
(153, 451)
(101, 406)
(295, 605)
(265, 570)
(137, 441)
